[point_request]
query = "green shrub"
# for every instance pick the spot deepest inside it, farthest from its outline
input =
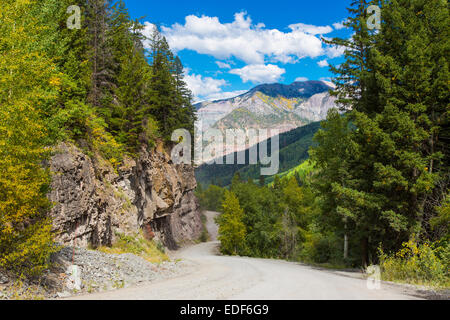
(151, 131)
(104, 143)
(441, 222)
(423, 264)
(211, 198)
(204, 237)
(320, 248)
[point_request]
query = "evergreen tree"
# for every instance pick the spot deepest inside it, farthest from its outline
(236, 181)
(162, 85)
(183, 100)
(355, 92)
(412, 83)
(397, 95)
(101, 59)
(69, 119)
(333, 155)
(353, 76)
(132, 75)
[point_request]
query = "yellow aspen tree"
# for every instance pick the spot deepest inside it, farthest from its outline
(28, 83)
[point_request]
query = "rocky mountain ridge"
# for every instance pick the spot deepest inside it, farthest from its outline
(270, 106)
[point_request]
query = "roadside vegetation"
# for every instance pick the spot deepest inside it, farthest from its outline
(422, 264)
(205, 236)
(97, 87)
(148, 249)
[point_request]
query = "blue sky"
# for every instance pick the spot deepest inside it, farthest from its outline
(228, 47)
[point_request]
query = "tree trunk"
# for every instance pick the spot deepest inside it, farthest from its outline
(345, 247)
(365, 251)
(345, 240)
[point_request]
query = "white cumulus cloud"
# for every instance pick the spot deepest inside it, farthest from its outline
(310, 29)
(223, 65)
(335, 51)
(339, 25)
(203, 86)
(244, 40)
(207, 88)
(259, 73)
(323, 63)
(301, 79)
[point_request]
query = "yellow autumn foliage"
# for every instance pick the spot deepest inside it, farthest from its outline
(25, 231)
(423, 264)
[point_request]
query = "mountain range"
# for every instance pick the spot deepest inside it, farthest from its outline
(268, 106)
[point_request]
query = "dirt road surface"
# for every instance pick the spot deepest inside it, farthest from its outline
(238, 278)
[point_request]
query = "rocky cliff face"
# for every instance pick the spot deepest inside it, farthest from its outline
(316, 108)
(93, 202)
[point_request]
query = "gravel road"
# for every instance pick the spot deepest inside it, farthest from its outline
(238, 278)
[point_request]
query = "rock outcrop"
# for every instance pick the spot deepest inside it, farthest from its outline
(93, 201)
(316, 108)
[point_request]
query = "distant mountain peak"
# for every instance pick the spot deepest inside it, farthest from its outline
(298, 89)
(269, 106)
(330, 84)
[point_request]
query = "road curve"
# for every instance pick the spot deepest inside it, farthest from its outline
(218, 277)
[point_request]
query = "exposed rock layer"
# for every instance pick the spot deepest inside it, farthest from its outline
(93, 202)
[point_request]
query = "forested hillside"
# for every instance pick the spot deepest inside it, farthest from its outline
(96, 86)
(378, 192)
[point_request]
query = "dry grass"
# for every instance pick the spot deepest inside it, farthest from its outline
(139, 246)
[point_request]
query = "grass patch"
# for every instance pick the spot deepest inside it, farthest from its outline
(148, 249)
